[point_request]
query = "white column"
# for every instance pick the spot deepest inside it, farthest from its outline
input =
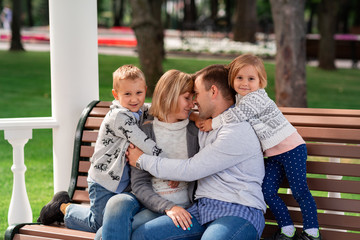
(74, 75)
(19, 209)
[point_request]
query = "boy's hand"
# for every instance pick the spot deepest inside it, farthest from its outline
(173, 184)
(133, 153)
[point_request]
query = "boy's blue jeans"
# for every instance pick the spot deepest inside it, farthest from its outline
(88, 219)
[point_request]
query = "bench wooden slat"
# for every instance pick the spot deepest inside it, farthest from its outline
(325, 233)
(320, 112)
(336, 135)
(81, 196)
(93, 122)
(89, 136)
(86, 151)
(330, 185)
(105, 104)
(82, 182)
(330, 168)
(84, 166)
(30, 237)
(327, 203)
(55, 232)
(324, 121)
(99, 111)
(328, 220)
(333, 150)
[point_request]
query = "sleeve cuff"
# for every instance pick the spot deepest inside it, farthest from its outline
(216, 122)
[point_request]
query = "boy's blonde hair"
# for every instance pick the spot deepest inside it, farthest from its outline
(170, 86)
(245, 60)
(128, 72)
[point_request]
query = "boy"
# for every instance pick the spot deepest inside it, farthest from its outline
(109, 172)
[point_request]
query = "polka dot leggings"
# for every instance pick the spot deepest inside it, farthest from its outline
(293, 165)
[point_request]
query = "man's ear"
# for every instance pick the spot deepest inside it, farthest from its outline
(214, 91)
(114, 94)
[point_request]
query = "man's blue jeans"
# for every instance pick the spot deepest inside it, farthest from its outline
(123, 214)
(226, 228)
(88, 219)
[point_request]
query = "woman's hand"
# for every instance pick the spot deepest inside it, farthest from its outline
(180, 217)
(173, 184)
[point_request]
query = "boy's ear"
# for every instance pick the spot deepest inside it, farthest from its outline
(114, 94)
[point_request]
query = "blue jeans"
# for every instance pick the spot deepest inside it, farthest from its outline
(89, 219)
(123, 214)
(226, 228)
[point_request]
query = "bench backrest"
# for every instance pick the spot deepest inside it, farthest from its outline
(333, 142)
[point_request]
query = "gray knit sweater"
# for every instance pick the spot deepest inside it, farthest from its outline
(141, 180)
(229, 166)
(261, 112)
(117, 130)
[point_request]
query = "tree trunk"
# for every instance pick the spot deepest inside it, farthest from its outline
(29, 13)
(16, 44)
(245, 23)
(118, 12)
(190, 15)
(290, 76)
(146, 23)
(327, 24)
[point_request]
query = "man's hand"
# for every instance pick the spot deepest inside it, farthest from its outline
(133, 153)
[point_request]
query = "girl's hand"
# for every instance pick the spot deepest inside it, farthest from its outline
(204, 125)
(180, 217)
(173, 184)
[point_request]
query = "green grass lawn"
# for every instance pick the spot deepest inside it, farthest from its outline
(25, 92)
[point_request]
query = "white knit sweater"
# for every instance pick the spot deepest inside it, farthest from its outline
(261, 112)
(171, 137)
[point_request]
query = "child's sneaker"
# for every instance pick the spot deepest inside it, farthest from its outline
(281, 236)
(51, 213)
(305, 236)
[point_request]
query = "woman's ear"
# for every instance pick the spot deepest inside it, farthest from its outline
(114, 94)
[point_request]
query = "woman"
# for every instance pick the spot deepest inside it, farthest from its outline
(177, 137)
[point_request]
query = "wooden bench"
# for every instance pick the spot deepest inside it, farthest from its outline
(330, 133)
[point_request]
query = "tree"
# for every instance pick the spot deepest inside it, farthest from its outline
(244, 25)
(16, 44)
(327, 25)
(29, 13)
(190, 15)
(118, 11)
(290, 78)
(146, 23)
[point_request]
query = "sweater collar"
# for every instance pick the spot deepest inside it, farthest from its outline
(171, 126)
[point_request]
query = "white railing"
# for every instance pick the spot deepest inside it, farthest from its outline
(18, 131)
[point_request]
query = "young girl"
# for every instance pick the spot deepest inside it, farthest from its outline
(281, 143)
(171, 104)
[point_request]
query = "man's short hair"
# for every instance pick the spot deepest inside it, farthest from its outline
(217, 75)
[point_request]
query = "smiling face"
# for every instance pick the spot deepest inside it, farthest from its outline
(131, 93)
(202, 98)
(184, 106)
(246, 80)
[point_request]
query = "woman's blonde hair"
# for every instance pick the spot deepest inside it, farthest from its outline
(170, 86)
(128, 72)
(245, 60)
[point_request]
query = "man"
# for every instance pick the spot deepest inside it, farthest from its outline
(229, 169)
